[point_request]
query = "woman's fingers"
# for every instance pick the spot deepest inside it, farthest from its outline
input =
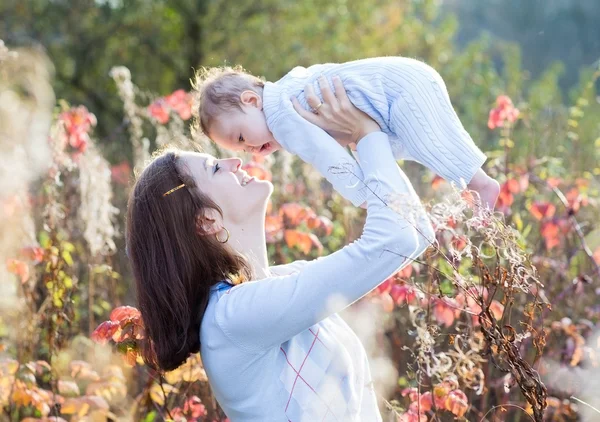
(311, 117)
(311, 98)
(326, 93)
(340, 91)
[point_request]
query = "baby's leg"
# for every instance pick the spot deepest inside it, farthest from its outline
(431, 133)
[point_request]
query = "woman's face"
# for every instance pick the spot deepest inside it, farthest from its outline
(223, 180)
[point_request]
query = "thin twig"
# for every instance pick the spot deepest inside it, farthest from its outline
(587, 404)
(507, 405)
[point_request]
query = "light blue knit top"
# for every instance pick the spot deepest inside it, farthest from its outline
(275, 349)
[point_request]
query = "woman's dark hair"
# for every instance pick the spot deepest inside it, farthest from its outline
(174, 266)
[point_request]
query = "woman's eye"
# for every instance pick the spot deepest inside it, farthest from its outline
(241, 138)
(217, 167)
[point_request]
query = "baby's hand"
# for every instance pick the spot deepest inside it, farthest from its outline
(336, 114)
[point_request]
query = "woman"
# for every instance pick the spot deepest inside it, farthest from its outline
(273, 348)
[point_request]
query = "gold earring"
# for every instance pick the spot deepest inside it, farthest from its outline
(226, 239)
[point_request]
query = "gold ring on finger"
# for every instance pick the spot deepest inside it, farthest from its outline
(316, 109)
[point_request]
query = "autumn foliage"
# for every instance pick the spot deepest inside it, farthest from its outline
(475, 328)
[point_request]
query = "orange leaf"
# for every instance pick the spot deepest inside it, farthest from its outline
(541, 210)
(582, 183)
(304, 241)
(597, 255)
(19, 268)
(436, 182)
(457, 403)
(513, 186)
(295, 214)
(553, 182)
(497, 309)
(505, 198)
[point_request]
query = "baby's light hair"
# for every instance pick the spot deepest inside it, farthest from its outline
(217, 90)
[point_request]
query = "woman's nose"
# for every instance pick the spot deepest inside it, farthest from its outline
(235, 164)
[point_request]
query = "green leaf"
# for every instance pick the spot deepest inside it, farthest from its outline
(150, 417)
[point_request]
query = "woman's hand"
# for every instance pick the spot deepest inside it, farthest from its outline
(336, 114)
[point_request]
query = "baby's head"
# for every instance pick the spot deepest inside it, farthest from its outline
(230, 112)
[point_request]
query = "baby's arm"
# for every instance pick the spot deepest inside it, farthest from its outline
(332, 160)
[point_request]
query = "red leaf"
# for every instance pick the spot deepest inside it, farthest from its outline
(444, 310)
(412, 393)
(33, 253)
(504, 111)
(459, 242)
(426, 402)
(402, 293)
(194, 407)
(575, 199)
(121, 173)
(405, 272)
(104, 332)
(159, 110)
(124, 312)
(273, 228)
(386, 286)
(181, 102)
(550, 232)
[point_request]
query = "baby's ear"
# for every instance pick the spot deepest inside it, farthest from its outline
(209, 222)
(251, 98)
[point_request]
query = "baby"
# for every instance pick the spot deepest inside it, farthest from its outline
(406, 97)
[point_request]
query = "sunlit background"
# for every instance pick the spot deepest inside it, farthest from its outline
(499, 323)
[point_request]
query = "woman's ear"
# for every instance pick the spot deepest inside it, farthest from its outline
(210, 222)
(251, 98)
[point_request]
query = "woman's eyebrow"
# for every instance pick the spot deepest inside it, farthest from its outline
(207, 166)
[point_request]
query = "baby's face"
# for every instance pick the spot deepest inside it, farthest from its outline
(244, 130)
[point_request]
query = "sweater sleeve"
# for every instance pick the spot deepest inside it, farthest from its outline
(329, 158)
(261, 314)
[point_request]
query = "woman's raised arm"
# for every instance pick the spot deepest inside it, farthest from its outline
(262, 314)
